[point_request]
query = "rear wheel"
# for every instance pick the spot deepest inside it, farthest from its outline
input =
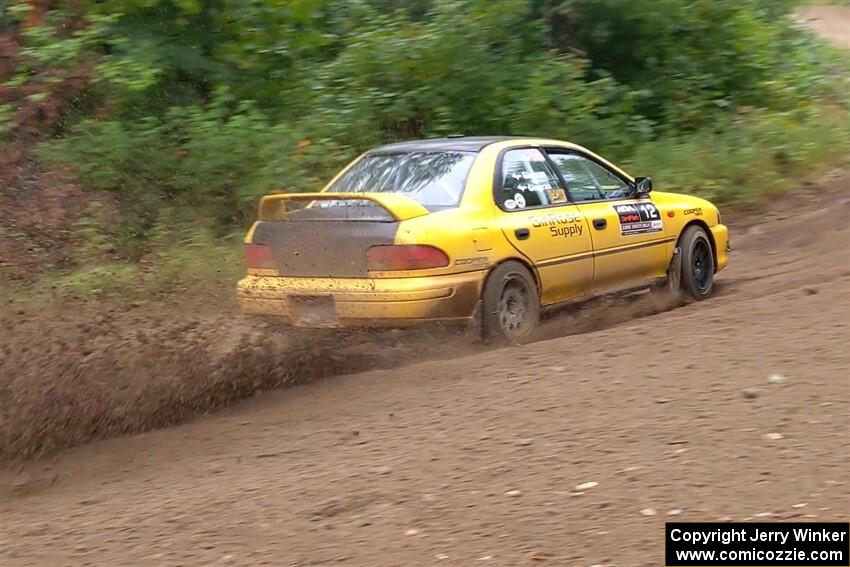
(510, 306)
(691, 274)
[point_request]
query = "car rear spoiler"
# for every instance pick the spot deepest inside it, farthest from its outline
(401, 207)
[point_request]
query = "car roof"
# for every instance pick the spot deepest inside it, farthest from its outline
(452, 143)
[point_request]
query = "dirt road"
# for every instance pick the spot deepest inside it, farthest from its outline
(477, 460)
(831, 22)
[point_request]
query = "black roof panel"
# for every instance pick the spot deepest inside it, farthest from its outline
(457, 144)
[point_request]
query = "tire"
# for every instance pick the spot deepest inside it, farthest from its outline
(510, 304)
(695, 265)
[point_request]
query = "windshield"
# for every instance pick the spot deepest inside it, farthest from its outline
(434, 179)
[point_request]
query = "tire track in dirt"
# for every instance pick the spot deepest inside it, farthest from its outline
(476, 459)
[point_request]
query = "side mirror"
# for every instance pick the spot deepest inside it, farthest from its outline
(643, 185)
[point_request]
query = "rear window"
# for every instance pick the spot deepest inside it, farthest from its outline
(434, 179)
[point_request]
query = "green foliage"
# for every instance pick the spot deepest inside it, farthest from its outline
(95, 241)
(753, 158)
(98, 280)
(6, 113)
(698, 57)
(187, 111)
(50, 48)
(561, 103)
(215, 160)
(178, 256)
(465, 68)
(606, 72)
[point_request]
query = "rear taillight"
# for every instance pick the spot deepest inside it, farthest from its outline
(405, 257)
(258, 256)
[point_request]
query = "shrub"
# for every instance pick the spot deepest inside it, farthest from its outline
(188, 111)
(213, 161)
(754, 157)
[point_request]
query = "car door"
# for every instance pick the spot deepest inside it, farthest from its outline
(536, 217)
(628, 234)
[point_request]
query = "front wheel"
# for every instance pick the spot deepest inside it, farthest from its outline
(510, 306)
(691, 274)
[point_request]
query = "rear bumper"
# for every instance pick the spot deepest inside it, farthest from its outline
(364, 302)
(720, 233)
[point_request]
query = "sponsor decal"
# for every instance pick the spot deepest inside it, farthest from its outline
(697, 211)
(638, 218)
(510, 204)
(477, 261)
(566, 231)
(539, 181)
(556, 195)
(519, 200)
(559, 224)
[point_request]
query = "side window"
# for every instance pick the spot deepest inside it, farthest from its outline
(587, 180)
(580, 183)
(610, 184)
(527, 180)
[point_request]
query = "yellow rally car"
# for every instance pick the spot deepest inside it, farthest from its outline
(487, 229)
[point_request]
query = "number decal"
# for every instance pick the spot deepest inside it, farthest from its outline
(650, 212)
(642, 218)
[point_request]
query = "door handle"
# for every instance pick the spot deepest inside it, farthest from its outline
(522, 233)
(599, 224)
